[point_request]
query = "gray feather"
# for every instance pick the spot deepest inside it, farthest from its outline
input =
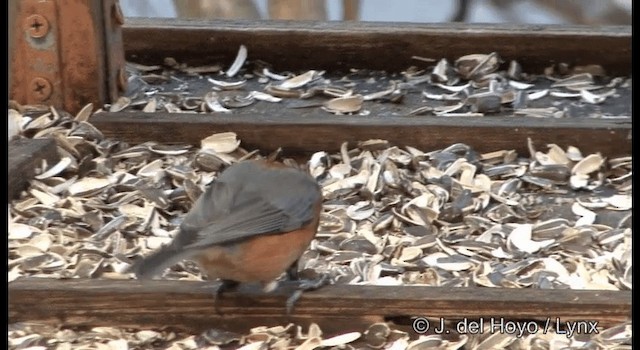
(246, 200)
(242, 205)
(154, 264)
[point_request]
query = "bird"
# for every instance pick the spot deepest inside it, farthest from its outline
(251, 224)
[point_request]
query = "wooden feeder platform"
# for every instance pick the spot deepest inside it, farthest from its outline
(335, 47)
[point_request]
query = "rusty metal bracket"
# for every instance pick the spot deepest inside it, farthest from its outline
(67, 53)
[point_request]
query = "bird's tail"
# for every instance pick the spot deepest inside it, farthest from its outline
(154, 264)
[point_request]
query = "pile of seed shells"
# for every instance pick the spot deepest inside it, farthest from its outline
(376, 336)
(473, 85)
(553, 218)
(452, 217)
(392, 216)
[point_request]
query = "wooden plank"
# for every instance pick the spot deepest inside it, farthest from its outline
(304, 131)
(24, 156)
(190, 305)
(292, 45)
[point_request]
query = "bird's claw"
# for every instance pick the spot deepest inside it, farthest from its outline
(304, 286)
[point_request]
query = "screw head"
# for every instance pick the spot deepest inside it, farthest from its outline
(40, 89)
(36, 25)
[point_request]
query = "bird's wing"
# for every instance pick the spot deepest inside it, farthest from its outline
(255, 215)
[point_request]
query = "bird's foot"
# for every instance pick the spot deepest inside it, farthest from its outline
(292, 271)
(305, 286)
(225, 286)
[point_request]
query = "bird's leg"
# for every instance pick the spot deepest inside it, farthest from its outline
(304, 286)
(292, 271)
(225, 286)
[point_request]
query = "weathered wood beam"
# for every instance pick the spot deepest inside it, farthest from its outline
(190, 305)
(290, 45)
(304, 131)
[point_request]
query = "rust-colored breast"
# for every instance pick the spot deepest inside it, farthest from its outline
(261, 258)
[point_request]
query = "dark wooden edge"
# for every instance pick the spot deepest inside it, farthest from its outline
(290, 45)
(304, 132)
(24, 156)
(190, 305)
